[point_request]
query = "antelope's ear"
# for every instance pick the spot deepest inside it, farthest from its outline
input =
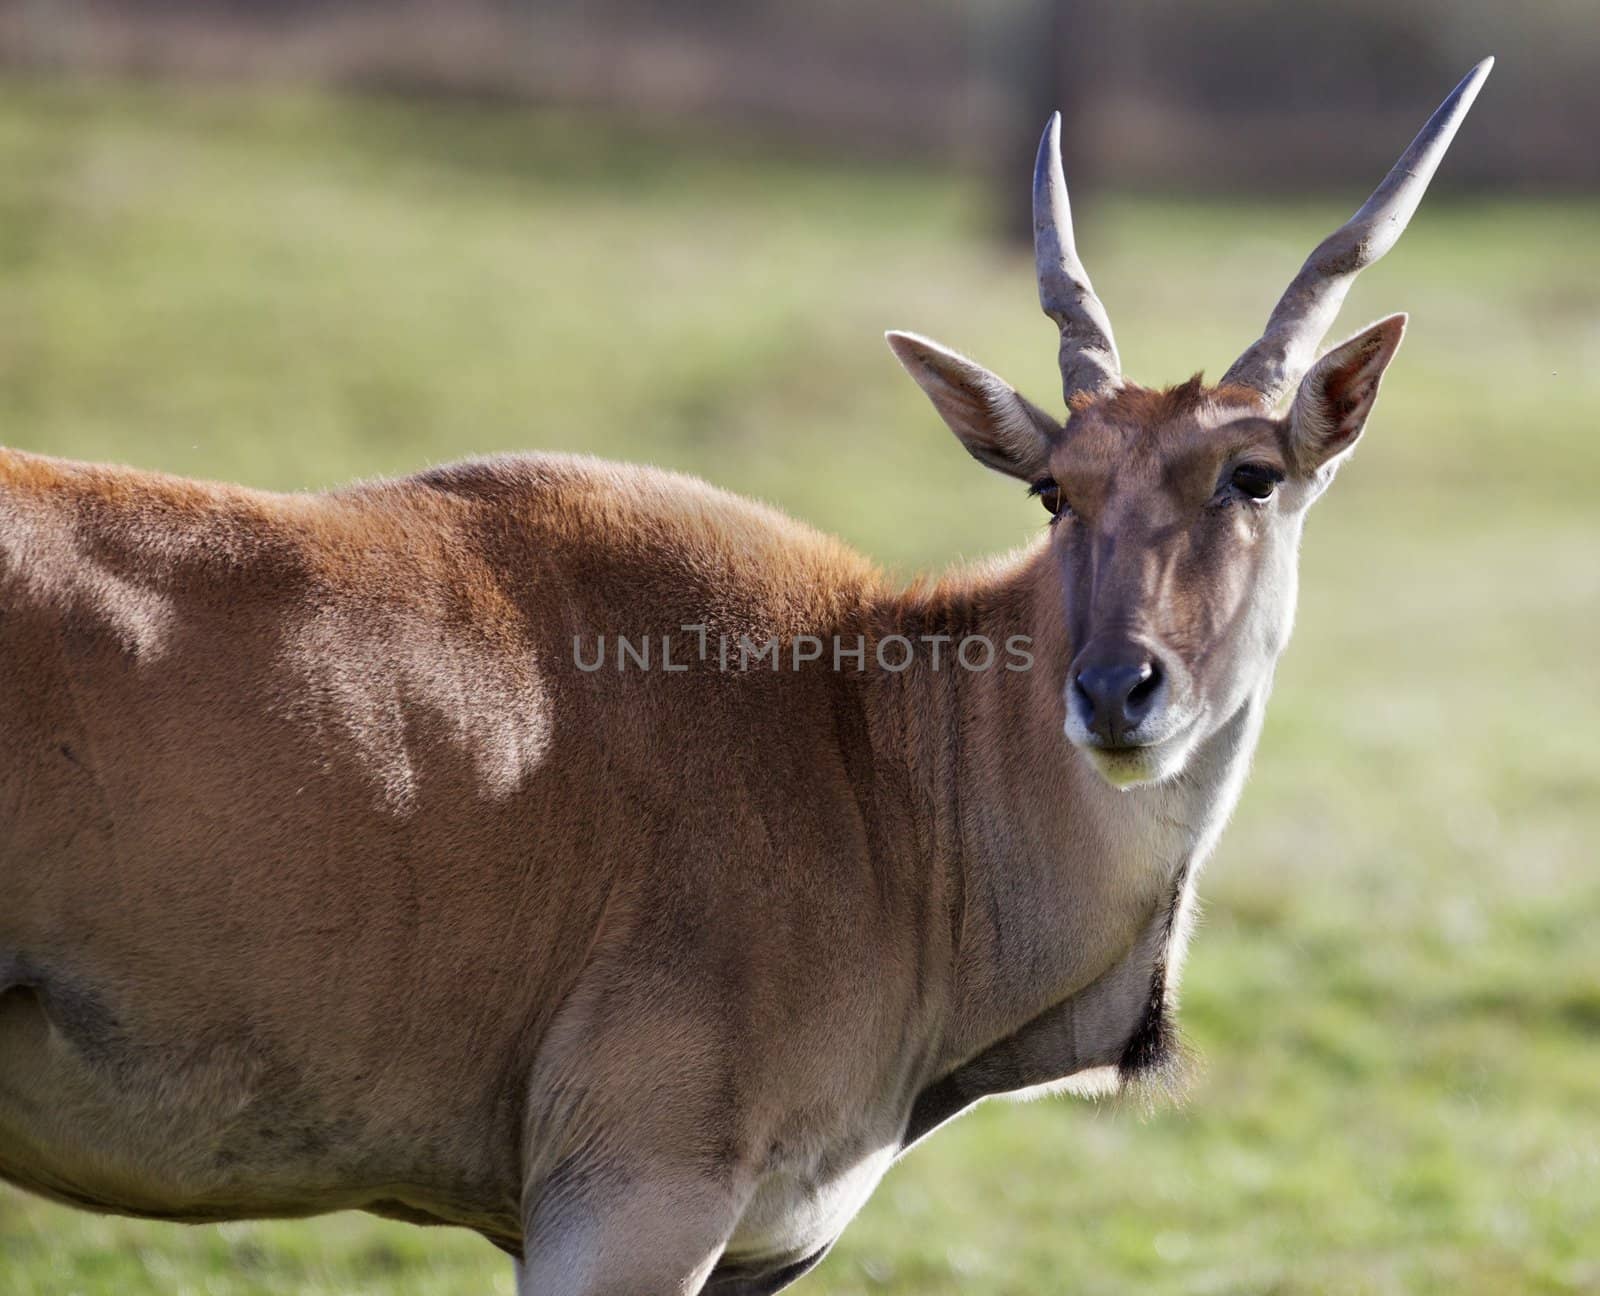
(997, 426)
(1334, 399)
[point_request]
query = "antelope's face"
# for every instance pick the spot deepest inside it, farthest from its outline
(1176, 515)
(1174, 534)
(1174, 531)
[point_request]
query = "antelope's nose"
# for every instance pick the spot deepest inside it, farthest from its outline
(1115, 694)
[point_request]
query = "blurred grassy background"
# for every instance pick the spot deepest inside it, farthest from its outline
(1396, 987)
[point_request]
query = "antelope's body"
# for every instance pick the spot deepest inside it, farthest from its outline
(331, 876)
(333, 882)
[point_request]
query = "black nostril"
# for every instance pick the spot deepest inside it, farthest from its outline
(1115, 696)
(1140, 694)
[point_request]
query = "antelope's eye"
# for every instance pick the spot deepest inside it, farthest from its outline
(1050, 496)
(1255, 481)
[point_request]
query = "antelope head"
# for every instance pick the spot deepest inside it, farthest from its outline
(1175, 514)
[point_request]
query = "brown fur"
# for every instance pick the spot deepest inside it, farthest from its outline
(330, 881)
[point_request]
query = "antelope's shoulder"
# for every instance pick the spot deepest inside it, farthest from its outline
(602, 529)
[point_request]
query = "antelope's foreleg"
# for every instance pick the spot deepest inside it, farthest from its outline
(654, 1230)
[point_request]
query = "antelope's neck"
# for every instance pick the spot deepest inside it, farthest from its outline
(1060, 881)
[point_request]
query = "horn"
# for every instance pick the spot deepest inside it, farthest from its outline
(1088, 355)
(1283, 354)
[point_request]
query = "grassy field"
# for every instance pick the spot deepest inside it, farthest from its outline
(1396, 987)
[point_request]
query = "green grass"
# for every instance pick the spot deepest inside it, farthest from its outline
(1396, 988)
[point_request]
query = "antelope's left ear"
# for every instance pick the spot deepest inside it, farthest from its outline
(998, 426)
(1335, 398)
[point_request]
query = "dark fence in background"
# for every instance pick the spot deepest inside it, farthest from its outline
(1215, 94)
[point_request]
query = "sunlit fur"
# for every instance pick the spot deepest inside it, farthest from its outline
(328, 880)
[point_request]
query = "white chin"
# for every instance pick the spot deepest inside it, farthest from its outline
(1134, 767)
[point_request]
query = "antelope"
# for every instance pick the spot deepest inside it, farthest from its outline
(335, 873)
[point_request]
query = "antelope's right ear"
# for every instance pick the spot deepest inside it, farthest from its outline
(1335, 397)
(999, 427)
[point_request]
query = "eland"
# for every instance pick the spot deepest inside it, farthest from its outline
(597, 861)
